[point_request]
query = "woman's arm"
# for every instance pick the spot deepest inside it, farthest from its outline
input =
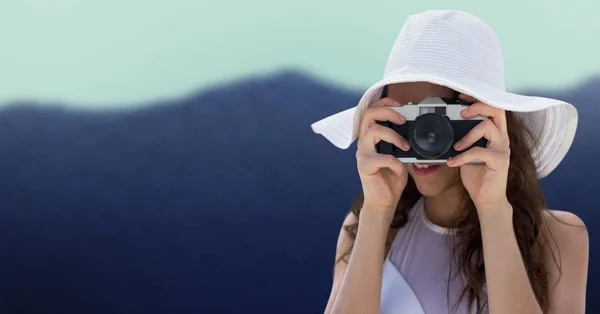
(509, 289)
(357, 284)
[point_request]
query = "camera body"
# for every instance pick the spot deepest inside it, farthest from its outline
(433, 127)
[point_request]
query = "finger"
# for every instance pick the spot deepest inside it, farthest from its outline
(370, 164)
(380, 103)
(384, 102)
(497, 115)
(492, 158)
(377, 133)
(372, 115)
(485, 129)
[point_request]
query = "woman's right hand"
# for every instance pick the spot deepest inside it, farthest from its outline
(383, 176)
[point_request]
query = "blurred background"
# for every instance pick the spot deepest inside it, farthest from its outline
(157, 156)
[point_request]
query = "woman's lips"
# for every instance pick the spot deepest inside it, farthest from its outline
(423, 170)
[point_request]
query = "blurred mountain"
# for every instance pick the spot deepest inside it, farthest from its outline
(221, 202)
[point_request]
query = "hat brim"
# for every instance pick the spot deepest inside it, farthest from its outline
(553, 121)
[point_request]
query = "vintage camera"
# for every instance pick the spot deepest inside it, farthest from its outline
(432, 128)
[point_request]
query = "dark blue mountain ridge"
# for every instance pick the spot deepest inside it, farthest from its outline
(223, 201)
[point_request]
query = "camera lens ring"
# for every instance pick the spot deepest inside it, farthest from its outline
(434, 124)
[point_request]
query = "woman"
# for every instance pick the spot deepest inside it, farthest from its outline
(457, 237)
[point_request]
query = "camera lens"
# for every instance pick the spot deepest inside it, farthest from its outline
(431, 135)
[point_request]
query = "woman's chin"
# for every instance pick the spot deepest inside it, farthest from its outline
(430, 190)
(435, 183)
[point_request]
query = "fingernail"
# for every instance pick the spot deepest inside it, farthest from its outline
(457, 145)
(450, 162)
(406, 146)
(464, 111)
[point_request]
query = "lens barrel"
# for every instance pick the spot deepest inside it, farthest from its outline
(431, 135)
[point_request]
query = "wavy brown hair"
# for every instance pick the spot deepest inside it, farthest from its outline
(524, 194)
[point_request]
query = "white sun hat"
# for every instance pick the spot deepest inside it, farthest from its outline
(458, 50)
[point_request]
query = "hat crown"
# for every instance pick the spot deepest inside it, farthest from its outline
(450, 44)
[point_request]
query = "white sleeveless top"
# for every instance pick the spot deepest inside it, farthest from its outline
(415, 272)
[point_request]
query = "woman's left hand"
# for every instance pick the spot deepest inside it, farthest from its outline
(485, 183)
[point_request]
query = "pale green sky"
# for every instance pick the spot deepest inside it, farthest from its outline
(124, 52)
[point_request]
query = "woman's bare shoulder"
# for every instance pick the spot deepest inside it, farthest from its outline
(566, 258)
(564, 230)
(564, 223)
